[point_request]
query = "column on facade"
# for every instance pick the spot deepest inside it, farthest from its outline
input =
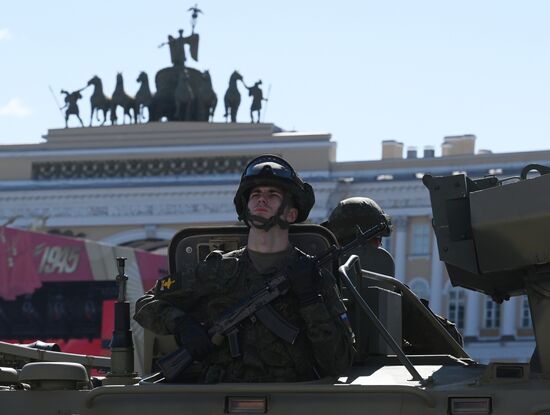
(400, 226)
(472, 316)
(508, 324)
(436, 285)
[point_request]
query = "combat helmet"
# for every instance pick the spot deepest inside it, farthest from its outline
(270, 170)
(353, 212)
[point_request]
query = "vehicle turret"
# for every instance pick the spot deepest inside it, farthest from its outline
(494, 237)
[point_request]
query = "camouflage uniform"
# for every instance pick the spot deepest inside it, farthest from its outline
(323, 346)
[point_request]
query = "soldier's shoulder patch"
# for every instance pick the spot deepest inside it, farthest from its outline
(168, 284)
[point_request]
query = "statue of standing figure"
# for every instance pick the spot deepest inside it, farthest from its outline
(71, 99)
(194, 15)
(257, 97)
(177, 48)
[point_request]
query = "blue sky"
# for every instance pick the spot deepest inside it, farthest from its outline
(365, 71)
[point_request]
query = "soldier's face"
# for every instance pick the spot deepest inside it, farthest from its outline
(265, 201)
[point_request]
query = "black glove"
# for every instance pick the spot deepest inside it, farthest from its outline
(303, 277)
(194, 337)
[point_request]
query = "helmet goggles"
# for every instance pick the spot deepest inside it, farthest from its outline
(270, 166)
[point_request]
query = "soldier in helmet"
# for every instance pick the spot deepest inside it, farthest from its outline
(353, 212)
(364, 213)
(270, 197)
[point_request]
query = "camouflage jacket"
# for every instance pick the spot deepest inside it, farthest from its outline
(323, 346)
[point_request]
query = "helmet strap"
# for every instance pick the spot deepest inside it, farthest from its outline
(259, 222)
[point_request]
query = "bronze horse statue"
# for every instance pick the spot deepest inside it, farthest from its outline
(143, 98)
(183, 97)
(207, 100)
(232, 98)
(99, 101)
(120, 97)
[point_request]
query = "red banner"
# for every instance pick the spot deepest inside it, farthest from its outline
(27, 259)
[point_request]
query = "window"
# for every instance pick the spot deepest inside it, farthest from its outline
(491, 314)
(421, 288)
(420, 243)
(457, 304)
(526, 322)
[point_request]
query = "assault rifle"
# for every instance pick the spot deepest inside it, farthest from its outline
(258, 306)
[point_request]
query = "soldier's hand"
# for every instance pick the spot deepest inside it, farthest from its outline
(303, 277)
(194, 337)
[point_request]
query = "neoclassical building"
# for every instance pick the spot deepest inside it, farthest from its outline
(137, 185)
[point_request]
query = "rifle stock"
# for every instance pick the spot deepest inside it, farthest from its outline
(361, 239)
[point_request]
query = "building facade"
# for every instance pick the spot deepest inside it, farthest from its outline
(137, 185)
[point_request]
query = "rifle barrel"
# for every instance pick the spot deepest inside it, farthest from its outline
(361, 239)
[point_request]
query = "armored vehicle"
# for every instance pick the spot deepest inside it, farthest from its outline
(493, 236)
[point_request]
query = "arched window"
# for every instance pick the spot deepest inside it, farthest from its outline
(421, 288)
(457, 304)
(491, 314)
